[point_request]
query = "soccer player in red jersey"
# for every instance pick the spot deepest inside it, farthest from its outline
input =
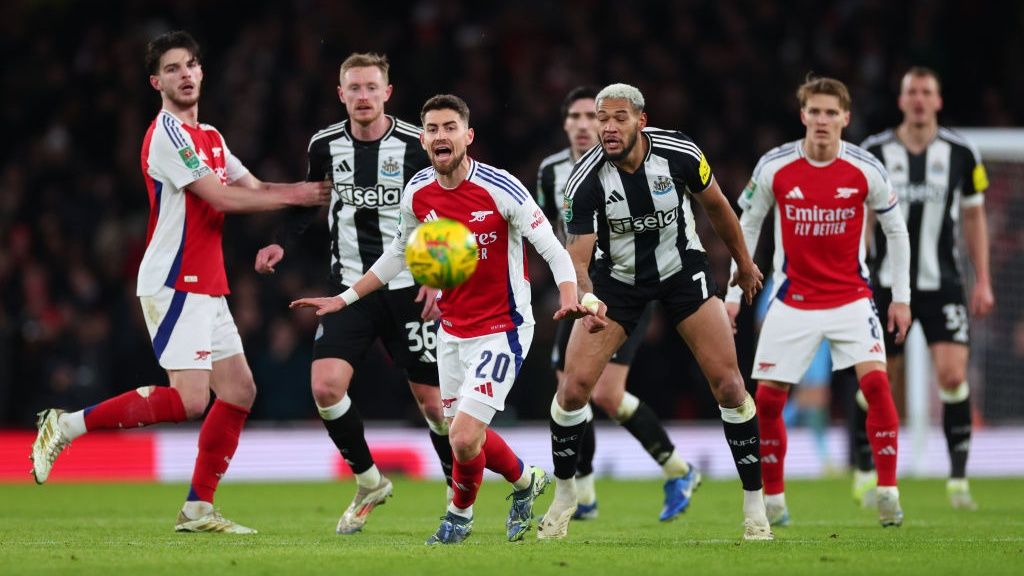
(819, 189)
(487, 322)
(192, 179)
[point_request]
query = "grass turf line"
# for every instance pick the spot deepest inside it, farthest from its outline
(127, 529)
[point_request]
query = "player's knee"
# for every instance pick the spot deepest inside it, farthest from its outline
(608, 402)
(729, 388)
(466, 444)
(574, 393)
(195, 402)
(245, 392)
(327, 391)
(951, 377)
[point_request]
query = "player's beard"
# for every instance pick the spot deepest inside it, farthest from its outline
(183, 101)
(451, 166)
(630, 143)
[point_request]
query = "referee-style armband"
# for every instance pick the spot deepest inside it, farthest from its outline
(349, 296)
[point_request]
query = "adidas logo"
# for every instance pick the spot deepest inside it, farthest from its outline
(770, 459)
(795, 194)
(887, 451)
(876, 349)
(485, 389)
(428, 357)
(614, 197)
(431, 216)
(343, 166)
(748, 459)
(564, 453)
(964, 446)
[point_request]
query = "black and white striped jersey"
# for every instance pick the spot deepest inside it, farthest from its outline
(932, 187)
(368, 179)
(644, 223)
(552, 177)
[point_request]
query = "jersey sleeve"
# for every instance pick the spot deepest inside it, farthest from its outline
(407, 223)
(546, 197)
(696, 171)
(580, 203)
(976, 182)
(172, 155)
(758, 197)
(232, 165)
(881, 197)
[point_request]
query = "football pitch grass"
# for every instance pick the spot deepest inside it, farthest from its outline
(128, 529)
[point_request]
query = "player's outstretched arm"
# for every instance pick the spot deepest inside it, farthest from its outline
(383, 271)
(247, 194)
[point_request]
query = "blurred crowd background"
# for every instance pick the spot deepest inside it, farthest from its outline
(76, 103)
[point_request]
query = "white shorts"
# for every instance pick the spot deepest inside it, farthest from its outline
(190, 331)
(791, 336)
(476, 374)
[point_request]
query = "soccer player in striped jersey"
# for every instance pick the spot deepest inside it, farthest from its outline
(819, 189)
(486, 322)
(192, 179)
(580, 124)
(369, 158)
(630, 198)
(939, 178)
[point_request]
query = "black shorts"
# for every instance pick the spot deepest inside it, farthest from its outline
(680, 295)
(624, 355)
(392, 316)
(942, 314)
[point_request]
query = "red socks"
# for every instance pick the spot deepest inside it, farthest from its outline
(137, 408)
(496, 456)
(218, 439)
(466, 479)
(882, 424)
(772, 429)
(500, 458)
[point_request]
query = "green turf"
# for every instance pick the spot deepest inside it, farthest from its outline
(127, 529)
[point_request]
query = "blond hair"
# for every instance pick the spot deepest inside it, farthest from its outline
(365, 60)
(828, 86)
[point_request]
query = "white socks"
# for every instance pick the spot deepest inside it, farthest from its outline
(72, 424)
(370, 478)
(675, 466)
(585, 493)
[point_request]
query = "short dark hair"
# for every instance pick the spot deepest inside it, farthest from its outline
(159, 46)
(821, 85)
(577, 93)
(922, 72)
(445, 102)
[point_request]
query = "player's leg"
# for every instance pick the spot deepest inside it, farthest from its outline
(786, 346)
(180, 327)
(951, 368)
(412, 343)
(865, 478)
(342, 341)
(586, 357)
(232, 383)
(586, 494)
(625, 409)
(856, 338)
(472, 397)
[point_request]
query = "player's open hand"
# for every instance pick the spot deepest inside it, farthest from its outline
(429, 297)
(733, 310)
(750, 279)
(268, 257)
(323, 305)
(899, 320)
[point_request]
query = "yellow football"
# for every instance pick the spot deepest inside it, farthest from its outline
(441, 253)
